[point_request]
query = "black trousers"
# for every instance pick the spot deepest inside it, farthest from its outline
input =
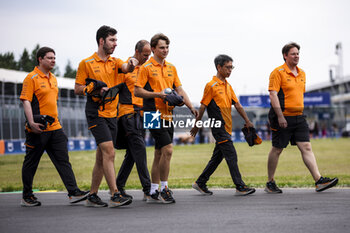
(223, 150)
(131, 126)
(55, 144)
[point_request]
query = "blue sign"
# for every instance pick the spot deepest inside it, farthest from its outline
(18, 146)
(151, 120)
(15, 146)
(76, 144)
(317, 99)
(263, 101)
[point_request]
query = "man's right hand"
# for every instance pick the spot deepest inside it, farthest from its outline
(35, 127)
(282, 122)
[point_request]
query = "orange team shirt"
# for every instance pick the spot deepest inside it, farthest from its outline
(42, 92)
(218, 97)
(290, 89)
(105, 71)
(154, 77)
(128, 102)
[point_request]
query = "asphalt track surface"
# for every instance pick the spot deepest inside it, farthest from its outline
(296, 210)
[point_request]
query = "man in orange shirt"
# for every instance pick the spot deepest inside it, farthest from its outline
(102, 70)
(218, 98)
(130, 129)
(43, 130)
(155, 76)
(287, 122)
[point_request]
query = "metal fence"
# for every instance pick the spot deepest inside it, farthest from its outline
(71, 113)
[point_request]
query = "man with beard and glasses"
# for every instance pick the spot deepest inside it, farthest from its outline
(95, 75)
(287, 122)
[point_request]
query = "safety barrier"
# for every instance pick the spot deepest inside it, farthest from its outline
(18, 146)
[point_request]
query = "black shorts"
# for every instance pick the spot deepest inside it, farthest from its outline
(103, 129)
(163, 136)
(296, 131)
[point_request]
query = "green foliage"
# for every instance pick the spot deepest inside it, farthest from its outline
(70, 72)
(7, 61)
(26, 62)
(188, 162)
(33, 55)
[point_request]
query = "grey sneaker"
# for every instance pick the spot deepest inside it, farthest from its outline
(166, 196)
(244, 190)
(77, 196)
(325, 183)
(272, 188)
(94, 201)
(154, 198)
(203, 189)
(30, 201)
(118, 200)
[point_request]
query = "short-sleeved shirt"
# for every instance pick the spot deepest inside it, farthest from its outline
(154, 77)
(42, 92)
(106, 71)
(290, 89)
(219, 97)
(128, 102)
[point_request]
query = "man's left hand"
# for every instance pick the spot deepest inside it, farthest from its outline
(249, 124)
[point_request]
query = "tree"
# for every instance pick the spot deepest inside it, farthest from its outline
(33, 55)
(70, 72)
(7, 61)
(25, 63)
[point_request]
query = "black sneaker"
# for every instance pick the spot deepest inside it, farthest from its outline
(271, 187)
(77, 196)
(202, 189)
(244, 190)
(118, 200)
(166, 196)
(94, 201)
(325, 183)
(30, 201)
(124, 194)
(154, 198)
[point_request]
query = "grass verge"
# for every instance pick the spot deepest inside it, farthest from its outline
(333, 158)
